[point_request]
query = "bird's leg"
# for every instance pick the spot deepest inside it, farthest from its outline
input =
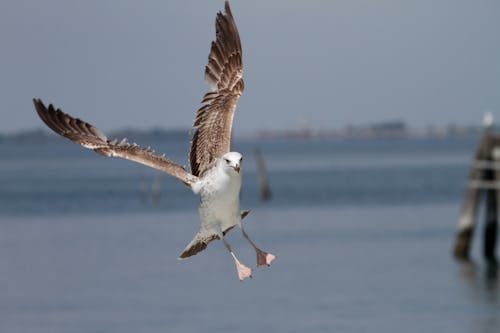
(243, 271)
(263, 258)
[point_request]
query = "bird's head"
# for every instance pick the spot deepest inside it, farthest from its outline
(231, 162)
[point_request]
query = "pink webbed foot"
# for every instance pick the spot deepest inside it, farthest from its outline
(243, 271)
(264, 258)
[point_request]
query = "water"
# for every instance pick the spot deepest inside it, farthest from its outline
(362, 229)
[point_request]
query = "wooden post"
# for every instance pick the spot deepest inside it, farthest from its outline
(490, 229)
(468, 214)
(156, 189)
(491, 215)
(264, 190)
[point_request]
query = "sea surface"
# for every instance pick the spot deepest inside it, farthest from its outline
(362, 230)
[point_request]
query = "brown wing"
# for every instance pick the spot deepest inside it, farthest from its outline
(90, 137)
(223, 73)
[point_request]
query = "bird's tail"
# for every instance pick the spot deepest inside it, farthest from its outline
(198, 244)
(201, 240)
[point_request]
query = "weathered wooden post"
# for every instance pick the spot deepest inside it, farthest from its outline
(468, 214)
(264, 190)
(156, 189)
(492, 175)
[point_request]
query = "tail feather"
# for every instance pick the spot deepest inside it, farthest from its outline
(198, 244)
(201, 240)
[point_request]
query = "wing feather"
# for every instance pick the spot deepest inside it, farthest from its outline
(223, 74)
(90, 137)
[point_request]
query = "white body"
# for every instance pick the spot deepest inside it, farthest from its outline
(219, 209)
(220, 200)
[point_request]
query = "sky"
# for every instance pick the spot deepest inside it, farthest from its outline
(322, 64)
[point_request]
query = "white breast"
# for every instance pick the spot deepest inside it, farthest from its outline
(220, 199)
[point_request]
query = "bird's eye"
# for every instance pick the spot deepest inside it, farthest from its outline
(227, 161)
(241, 159)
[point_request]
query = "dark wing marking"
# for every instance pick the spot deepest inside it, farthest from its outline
(90, 137)
(223, 73)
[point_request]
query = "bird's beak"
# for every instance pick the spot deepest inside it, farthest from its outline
(237, 168)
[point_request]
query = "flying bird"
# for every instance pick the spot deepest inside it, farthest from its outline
(215, 169)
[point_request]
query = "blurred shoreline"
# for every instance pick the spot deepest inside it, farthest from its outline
(391, 129)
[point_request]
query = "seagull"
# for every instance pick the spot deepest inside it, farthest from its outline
(215, 169)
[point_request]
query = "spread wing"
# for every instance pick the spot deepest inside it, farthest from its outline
(223, 73)
(90, 137)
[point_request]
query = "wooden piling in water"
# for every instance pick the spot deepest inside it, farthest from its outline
(264, 190)
(468, 214)
(490, 229)
(492, 202)
(156, 189)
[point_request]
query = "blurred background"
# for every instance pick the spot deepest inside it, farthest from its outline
(364, 116)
